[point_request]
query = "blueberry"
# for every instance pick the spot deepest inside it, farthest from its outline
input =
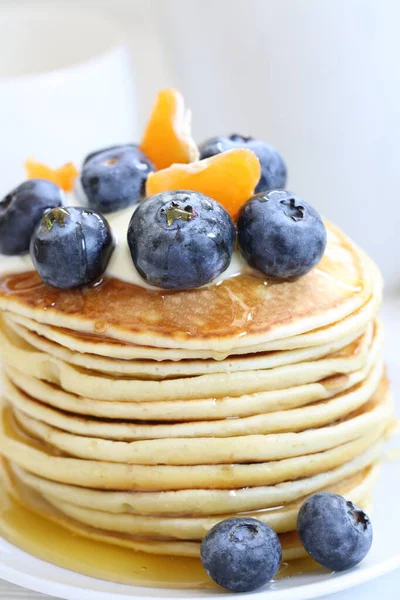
(22, 209)
(71, 247)
(336, 533)
(241, 555)
(281, 235)
(114, 147)
(180, 239)
(115, 177)
(273, 168)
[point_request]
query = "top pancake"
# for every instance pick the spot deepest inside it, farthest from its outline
(239, 312)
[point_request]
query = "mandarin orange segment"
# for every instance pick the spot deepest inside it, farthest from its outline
(167, 138)
(63, 176)
(229, 177)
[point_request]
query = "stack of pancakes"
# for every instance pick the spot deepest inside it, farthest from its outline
(144, 417)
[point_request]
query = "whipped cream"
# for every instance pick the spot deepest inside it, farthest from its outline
(121, 265)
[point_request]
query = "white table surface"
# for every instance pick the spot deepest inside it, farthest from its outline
(383, 588)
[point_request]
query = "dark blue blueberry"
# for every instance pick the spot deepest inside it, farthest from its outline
(22, 209)
(115, 147)
(241, 555)
(71, 247)
(273, 168)
(115, 177)
(281, 235)
(180, 239)
(336, 533)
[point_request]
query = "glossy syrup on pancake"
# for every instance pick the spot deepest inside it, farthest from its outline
(100, 345)
(240, 311)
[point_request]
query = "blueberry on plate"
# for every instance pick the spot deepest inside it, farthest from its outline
(241, 554)
(336, 533)
(114, 178)
(22, 209)
(180, 239)
(71, 247)
(273, 168)
(281, 235)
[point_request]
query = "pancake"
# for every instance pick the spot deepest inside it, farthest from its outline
(43, 460)
(214, 450)
(199, 502)
(299, 419)
(141, 418)
(99, 345)
(292, 548)
(183, 410)
(102, 387)
(164, 369)
(282, 519)
(291, 545)
(49, 463)
(239, 312)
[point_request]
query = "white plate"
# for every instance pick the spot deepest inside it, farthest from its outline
(24, 570)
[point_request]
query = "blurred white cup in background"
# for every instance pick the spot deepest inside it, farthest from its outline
(66, 87)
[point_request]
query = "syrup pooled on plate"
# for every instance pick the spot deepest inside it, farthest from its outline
(51, 542)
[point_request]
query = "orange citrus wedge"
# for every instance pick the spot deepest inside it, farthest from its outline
(167, 138)
(229, 177)
(63, 176)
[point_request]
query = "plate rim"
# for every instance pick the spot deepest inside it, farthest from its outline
(335, 583)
